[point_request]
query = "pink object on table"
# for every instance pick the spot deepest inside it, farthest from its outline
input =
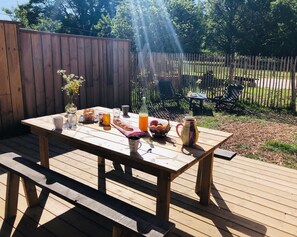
(126, 129)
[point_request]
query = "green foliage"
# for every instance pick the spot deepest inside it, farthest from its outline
(256, 28)
(266, 27)
(160, 27)
(285, 34)
(281, 147)
(47, 24)
(255, 156)
(243, 146)
(75, 16)
(209, 122)
(223, 24)
(189, 24)
(247, 27)
(104, 27)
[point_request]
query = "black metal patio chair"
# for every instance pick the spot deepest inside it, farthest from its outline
(167, 92)
(230, 96)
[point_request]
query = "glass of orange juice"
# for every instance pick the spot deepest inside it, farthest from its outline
(106, 119)
(143, 122)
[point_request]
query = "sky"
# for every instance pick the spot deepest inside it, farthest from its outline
(9, 4)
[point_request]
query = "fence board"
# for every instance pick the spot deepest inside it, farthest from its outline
(95, 66)
(28, 75)
(105, 94)
(58, 81)
(14, 71)
(4, 88)
(82, 71)
(65, 61)
(294, 84)
(110, 79)
(100, 68)
(89, 72)
(121, 71)
(5, 102)
(127, 73)
(73, 64)
(115, 72)
(48, 74)
(38, 73)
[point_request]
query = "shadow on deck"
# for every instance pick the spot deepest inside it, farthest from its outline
(249, 198)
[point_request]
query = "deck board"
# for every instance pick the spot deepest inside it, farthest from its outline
(249, 197)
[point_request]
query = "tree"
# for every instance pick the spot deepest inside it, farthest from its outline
(256, 29)
(104, 27)
(223, 20)
(169, 26)
(75, 16)
(189, 23)
(285, 34)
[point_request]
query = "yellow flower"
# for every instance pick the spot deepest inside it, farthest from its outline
(73, 82)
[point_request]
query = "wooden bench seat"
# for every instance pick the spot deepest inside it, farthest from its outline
(126, 219)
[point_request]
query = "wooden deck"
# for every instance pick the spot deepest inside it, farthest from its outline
(249, 198)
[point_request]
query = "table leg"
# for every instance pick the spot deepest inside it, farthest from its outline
(191, 101)
(198, 179)
(163, 196)
(204, 179)
(101, 174)
(43, 151)
(201, 104)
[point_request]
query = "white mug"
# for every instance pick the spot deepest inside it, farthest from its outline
(58, 122)
(134, 144)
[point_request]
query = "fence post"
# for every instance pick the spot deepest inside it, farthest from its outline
(231, 69)
(293, 71)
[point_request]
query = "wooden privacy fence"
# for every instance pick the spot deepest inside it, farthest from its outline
(269, 82)
(30, 85)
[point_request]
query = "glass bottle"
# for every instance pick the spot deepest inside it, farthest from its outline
(143, 116)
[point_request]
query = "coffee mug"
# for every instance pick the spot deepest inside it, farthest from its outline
(58, 122)
(125, 109)
(134, 144)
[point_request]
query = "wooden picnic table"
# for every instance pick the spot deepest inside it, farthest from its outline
(164, 158)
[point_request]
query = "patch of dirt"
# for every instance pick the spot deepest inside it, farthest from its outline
(249, 138)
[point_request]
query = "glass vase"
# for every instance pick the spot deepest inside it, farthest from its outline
(70, 108)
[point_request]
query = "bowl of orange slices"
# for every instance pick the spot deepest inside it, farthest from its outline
(159, 129)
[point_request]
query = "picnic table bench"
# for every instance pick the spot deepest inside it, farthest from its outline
(126, 219)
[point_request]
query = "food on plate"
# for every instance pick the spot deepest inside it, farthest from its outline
(121, 124)
(88, 114)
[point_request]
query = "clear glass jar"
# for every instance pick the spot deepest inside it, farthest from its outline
(72, 120)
